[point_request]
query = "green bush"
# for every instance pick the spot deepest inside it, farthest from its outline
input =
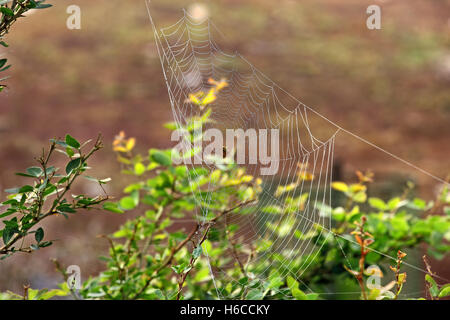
(10, 12)
(152, 256)
(46, 195)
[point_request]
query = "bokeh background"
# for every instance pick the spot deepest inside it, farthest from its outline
(390, 86)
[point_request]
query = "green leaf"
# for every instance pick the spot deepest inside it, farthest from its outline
(312, 296)
(360, 197)
(197, 252)
(434, 290)
(418, 204)
(255, 294)
(25, 189)
(39, 235)
(201, 275)
(43, 6)
(7, 235)
(24, 175)
(65, 208)
(299, 294)
(113, 207)
(8, 213)
(72, 165)
(70, 152)
(374, 294)
(7, 11)
(272, 209)
(171, 126)
(101, 181)
(395, 203)
(139, 169)
(400, 227)
(12, 190)
(445, 291)
(35, 171)
(275, 281)
(160, 157)
(5, 68)
(128, 203)
(59, 142)
(72, 142)
(377, 203)
(291, 282)
(45, 244)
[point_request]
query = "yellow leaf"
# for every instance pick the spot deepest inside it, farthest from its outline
(210, 97)
(305, 176)
(222, 84)
(215, 176)
(194, 98)
(119, 149)
(239, 172)
(367, 177)
(402, 277)
(356, 187)
(231, 182)
(374, 294)
(130, 144)
(218, 84)
(246, 178)
(340, 186)
(282, 189)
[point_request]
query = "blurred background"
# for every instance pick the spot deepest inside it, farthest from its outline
(389, 86)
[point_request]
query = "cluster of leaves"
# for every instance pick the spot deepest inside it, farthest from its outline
(188, 229)
(10, 11)
(203, 99)
(384, 227)
(46, 195)
(152, 256)
(36, 294)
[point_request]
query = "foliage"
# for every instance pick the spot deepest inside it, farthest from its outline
(46, 195)
(153, 262)
(187, 229)
(435, 290)
(10, 12)
(382, 229)
(153, 257)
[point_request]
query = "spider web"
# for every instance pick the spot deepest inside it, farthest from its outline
(190, 56)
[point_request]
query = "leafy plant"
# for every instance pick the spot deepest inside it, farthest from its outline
(435, 290)
(10, 12)
(185, 241)
(153, 257)
(46, 195)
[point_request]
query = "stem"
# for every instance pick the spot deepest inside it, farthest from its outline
(233, 248)
(39, 217)
(184, 242)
